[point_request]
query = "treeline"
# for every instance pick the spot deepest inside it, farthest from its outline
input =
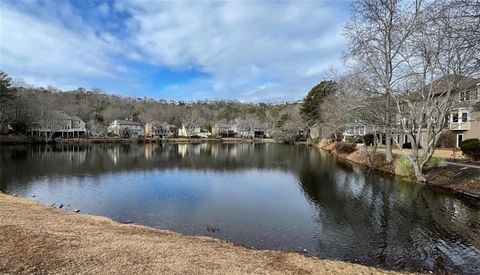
(23, 105)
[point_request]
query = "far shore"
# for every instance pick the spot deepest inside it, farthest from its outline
(17, 139)
(35, 238)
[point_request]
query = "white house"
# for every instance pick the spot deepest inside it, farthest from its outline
(193, 131)
(120, 127)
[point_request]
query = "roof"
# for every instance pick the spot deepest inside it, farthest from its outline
(75, 118)
(225, 125)
(440, 86)
(58, 115)
(127, 122)
(161, 124)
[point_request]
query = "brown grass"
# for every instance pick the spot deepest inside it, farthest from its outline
(39, 239)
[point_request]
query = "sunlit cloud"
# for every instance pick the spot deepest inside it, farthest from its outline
(251, 51)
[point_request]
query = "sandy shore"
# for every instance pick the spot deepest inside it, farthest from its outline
(39, 239)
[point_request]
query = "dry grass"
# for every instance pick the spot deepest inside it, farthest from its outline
(39, 239)
(439, 153)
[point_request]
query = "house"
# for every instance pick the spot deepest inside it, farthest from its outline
(354, 129)
(192, 132)
(126, 128)
(464, 120)
(163, 130)
(254, 133)
(224, 130)
(260, 133)
(58, 123)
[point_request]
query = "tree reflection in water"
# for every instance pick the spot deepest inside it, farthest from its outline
(262, 195)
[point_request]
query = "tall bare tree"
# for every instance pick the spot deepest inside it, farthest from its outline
(378, 32)
(440, 63)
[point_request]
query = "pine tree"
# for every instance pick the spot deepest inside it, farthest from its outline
(311, 102)
(7, 96)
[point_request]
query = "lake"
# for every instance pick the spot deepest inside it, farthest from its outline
(267, 196)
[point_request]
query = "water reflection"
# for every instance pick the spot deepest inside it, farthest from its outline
(261, 195)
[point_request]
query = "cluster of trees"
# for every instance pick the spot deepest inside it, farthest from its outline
(406, 62)
(21, 105)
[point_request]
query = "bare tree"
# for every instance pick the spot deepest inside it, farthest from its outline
(440, 63)
(378, 32)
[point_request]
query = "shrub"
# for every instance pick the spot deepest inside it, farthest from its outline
(435, 162)
(403, 167)
(379, 160)
(471, 148)
(408, 145)
(354, 139)
(345, 147)
(368, 139)
(324, 142)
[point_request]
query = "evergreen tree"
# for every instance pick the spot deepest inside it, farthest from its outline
(7, 97)
(309, 109)
(6, 92)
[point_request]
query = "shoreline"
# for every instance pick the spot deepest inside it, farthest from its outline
(462, 181)
(21, 140)
(35, 238)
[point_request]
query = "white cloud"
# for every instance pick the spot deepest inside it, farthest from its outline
(251, 50)
(34, 47)
(240, 43)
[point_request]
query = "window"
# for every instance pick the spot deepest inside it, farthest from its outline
(455, 117)
(464, 117)
(465, 96)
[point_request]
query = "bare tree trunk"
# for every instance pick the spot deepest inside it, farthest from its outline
(371, 154)
(418, 172)
(388, 134)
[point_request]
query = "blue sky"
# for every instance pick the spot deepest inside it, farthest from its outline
(181, 50)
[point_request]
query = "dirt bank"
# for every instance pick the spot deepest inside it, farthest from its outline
(40, 239)
(461, 180)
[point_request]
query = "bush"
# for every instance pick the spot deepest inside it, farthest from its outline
(408, 145)
(403, 167)
(435, 162)
(354, 139)
(379, 160)
(345, 147)
(471, 148)
(368, 139)
(324, 142)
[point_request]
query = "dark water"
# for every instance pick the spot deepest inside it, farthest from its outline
(262, 195)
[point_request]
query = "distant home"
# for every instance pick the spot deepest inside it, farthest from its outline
(58, 124)
(192, 132)
(255, 133)
(224, 130)
(162, 130)
(354, 129)
(126, 128)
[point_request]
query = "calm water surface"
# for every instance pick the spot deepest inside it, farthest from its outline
(261, 195)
